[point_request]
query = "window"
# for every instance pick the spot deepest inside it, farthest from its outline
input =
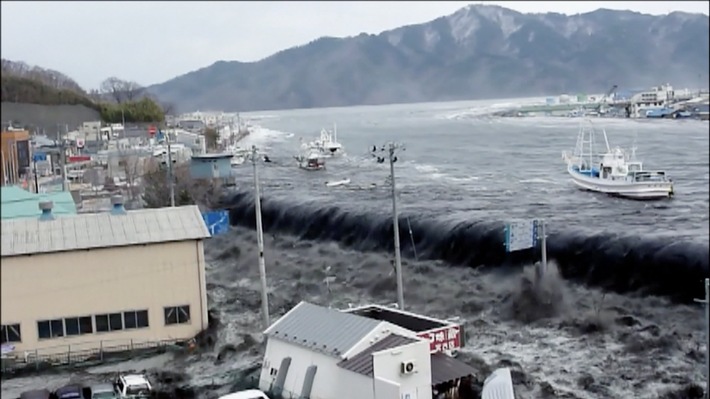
(135, 319)
(78, 325)
(109, 322)
(11, 333)
(50, 328)
(177, 314)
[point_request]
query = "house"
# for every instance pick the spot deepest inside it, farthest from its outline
(103, 281)
(321, 353)
(212, 167)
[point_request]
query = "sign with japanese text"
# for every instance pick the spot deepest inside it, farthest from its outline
(444, 339)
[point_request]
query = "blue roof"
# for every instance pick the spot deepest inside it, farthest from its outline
(19, 203)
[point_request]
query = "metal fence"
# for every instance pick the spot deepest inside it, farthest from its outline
(84, 354)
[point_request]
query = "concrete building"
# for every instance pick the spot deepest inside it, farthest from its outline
(91, 281)
(16, 155)
(211, 167)
(320, 353)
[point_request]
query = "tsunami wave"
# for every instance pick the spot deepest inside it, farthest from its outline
(622, 264)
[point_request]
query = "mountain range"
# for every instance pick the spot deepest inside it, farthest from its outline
(481, 51)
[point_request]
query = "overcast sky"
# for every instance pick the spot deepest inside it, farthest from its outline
(151, 42)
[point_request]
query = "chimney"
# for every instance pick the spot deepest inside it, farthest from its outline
(46, 208)
(117, 205)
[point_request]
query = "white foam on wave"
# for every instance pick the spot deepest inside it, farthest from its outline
(477, 111)
(537, 180)
(262, 137)
(432, 172)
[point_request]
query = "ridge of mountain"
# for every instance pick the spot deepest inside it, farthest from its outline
(480, 51)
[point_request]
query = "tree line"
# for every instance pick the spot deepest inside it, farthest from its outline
(117, 100)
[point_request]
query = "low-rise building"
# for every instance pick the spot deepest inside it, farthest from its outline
(92, 282)
(19, 203)
(321, 353)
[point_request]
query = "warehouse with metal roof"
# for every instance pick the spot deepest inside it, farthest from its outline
(88, 282)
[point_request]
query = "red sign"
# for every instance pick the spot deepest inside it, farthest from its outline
(444, 338)
(152, 130)
(79, 158)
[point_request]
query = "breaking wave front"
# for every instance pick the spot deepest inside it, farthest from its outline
(622, 264)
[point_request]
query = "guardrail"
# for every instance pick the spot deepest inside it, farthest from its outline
(79, 355)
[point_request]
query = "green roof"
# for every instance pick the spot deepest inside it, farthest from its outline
(18, 203)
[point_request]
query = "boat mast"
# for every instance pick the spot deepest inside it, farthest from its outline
(335, 133)
(260, 243)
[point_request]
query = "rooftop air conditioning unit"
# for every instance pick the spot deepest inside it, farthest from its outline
(407, 367)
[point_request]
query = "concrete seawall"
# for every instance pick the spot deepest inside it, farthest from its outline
(49, 119)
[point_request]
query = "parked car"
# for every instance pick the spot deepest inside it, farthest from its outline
(36, 394)
(133, 386)
(248, 394)
(103, 391)
(72, 391)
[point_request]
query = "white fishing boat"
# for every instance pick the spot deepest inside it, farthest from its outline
(239, 155)
(311, 161)
(337, 183)
(327, 144)
(612, 171)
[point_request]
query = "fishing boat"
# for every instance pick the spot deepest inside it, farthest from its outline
(311, 161)
(612, 171)
(327, 144)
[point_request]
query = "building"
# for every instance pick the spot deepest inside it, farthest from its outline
(321, 353)
(16, 155)
(93, 282)
(19, 203)
(211, 167)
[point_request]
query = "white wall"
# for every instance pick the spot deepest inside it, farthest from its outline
(387, 366)
(352, 385)
(385, 389)
(325, 384)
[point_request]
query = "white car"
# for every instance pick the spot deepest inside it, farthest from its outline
(248, 394)
(133, 386)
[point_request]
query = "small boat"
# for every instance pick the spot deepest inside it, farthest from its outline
(312, 161)
(498, 385)
(327, 144)
(239, 155)
(337, 183)
(612, 171)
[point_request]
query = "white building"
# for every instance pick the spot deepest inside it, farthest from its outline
(321, 353)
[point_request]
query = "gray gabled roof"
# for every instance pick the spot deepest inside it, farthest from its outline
(362, 362)
(101, 230)
(321, 329)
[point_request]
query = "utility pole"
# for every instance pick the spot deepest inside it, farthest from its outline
(260, 242)
(391, 149)
(706, 302)
(542, 269)
(34, 172)
(123, 121)
(170, 171)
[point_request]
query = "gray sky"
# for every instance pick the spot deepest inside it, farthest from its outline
(151, 42)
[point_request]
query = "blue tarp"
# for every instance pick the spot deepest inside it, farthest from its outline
(217, 221)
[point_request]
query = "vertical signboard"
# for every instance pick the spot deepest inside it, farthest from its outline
(217, 221)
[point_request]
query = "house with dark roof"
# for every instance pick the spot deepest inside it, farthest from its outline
(322, 353)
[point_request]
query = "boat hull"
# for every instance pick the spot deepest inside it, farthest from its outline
(636, 190)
